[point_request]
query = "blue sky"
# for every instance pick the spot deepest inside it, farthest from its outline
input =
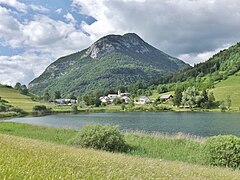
(34, 33)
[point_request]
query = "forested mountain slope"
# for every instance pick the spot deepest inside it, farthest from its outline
(110, 62)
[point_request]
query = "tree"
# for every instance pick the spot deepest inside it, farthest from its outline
(191, 97)
(57, 95)
(123, 107)
(46, 95)
(205, 95)
(90, 99)
(178, 96)
(18, 86)
(222, 106)
(23, 90)
(117, 101)
(162, 89)
(228, 102)
(72, 96)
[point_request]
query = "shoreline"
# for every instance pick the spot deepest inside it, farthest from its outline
(105, 110)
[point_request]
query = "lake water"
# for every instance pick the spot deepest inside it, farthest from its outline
(195, 123)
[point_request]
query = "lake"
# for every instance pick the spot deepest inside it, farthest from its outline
(194, 123)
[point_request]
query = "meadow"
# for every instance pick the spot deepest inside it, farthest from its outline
(25, 102)
(176, 147)
(23, 158)
(229, 87)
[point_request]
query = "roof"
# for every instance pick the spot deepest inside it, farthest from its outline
(166, 96)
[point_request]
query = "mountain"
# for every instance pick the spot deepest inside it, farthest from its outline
(112, 61)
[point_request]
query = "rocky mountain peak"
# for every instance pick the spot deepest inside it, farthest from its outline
(114, 43)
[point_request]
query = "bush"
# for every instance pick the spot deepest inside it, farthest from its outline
(39, 108)
(106, 138)
(223, 151)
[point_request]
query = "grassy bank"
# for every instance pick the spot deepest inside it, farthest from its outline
(177, 148)
(22, 158)
(229, 87)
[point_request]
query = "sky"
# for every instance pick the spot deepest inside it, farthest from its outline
(35, 33)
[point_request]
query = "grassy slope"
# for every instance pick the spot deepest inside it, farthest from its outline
(230, 86)
(24, 102)
(16, 99)
(22, 158)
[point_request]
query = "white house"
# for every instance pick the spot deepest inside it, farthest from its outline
(126, 99)
(104, 99)
(65, 102)
(111, 97)
(143, 100)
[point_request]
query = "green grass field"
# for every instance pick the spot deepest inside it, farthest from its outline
(25, 102)
(176, 148)
(229, 87)
(22, 158)
(16, 99)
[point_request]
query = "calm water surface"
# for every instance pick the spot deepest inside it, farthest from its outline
(195, 123)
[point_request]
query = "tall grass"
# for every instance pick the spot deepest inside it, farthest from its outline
(178, 148)
(22, 158)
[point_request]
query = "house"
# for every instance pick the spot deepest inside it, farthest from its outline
(166, 97)
(112, 97)
(123, 94)
(143, 100)
(125, 99)
(104, 99)
(65, 102)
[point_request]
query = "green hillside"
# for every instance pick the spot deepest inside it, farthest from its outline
(22, 158)
(110, 62)
(229, 87)
(16, 99)
(218, 67)
(24, 102)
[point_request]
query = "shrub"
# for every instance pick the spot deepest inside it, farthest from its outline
(39, 108)
(3, 108)
(223, 151)
(100, 137)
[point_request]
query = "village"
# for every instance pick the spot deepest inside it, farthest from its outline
(122, 97)
(125, 98)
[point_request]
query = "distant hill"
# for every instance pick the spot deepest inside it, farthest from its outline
(220, 66)
(112, 61)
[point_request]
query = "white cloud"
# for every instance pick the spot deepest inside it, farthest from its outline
(194, 59)
(69, 17)
(39, 8)
(15, 4)
(22, 68)
(59, 11)
(10, 29)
